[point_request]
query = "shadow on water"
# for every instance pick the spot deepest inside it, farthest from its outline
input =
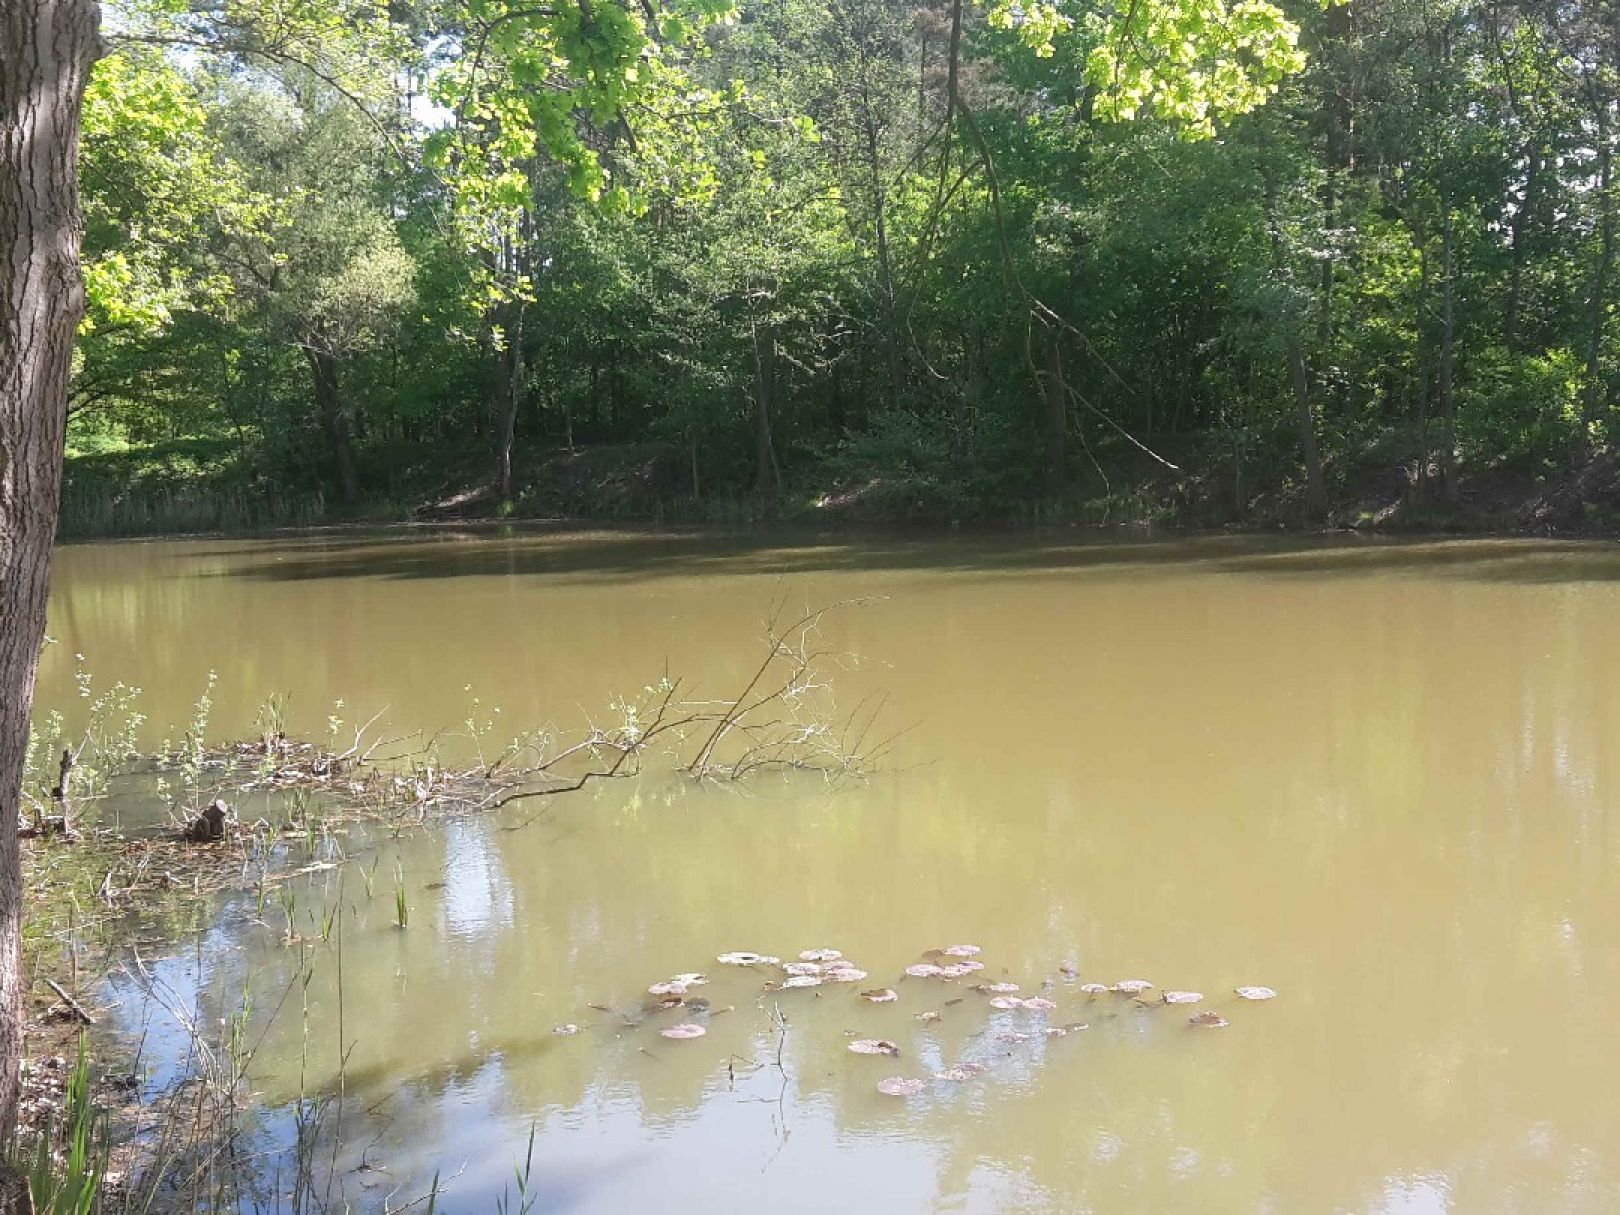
(601, 555)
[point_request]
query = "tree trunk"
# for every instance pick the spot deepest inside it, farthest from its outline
(886, 286)
(1056, 420)
(1519, 241)
(1298, 372)
(46, 49)
(764, 391)
(1337, 120)
(1448, 344)
(335, 424)
(511, 380)
(1315, 486)
(1597, 399)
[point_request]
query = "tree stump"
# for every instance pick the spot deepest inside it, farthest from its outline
(209, 826)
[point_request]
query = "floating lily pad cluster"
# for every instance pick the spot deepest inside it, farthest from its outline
(821, 966)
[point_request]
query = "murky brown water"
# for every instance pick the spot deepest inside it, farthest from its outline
(1379, 778)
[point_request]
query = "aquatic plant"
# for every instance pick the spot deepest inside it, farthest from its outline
(65, 1176)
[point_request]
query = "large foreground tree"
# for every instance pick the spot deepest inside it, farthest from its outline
(47, 48)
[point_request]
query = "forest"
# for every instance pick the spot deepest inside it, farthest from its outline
(1183, 261)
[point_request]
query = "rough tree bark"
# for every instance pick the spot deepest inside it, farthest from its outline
(46, 50)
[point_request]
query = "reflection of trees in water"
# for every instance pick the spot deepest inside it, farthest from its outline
(1388, 798)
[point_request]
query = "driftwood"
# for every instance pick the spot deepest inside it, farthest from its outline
(73, 1005)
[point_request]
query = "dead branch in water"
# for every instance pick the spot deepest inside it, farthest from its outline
(782, 716)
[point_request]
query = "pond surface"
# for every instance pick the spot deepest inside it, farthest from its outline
(1378, 777)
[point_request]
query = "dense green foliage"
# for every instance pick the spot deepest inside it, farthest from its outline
(1206, 258)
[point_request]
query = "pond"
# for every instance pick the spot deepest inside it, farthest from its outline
(1376, 776)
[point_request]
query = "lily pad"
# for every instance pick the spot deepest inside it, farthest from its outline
(802, 968)
(1208, 1019)
(924, 970)
(1183, 997)
(684, 1031)
(565, 1030)
(1132, 987)
(958, 970)
(1040, 1004)
(1255, 993)
(1006, 1002)
(669, 988)
(691, 979)
(1094, 989)
(802, 981)
(960, 951)
(743, 958)
(844, 974)
(820, 955)
(873, 1046)
(999, 989)
(880, 995)
(901, 1086)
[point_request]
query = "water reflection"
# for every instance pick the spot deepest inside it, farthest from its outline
(1377, 777)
